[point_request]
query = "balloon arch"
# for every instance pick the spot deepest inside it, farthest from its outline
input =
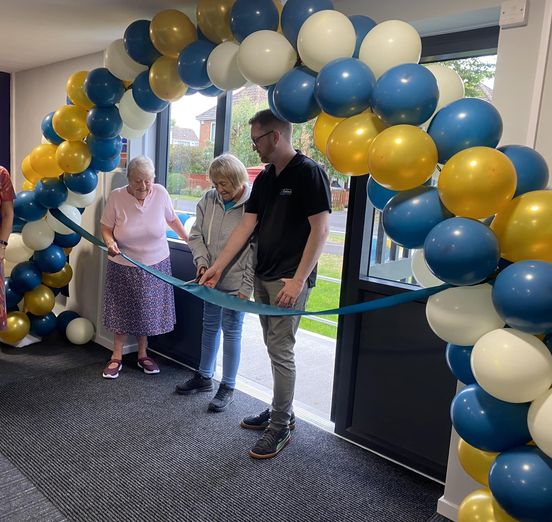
(486, 227)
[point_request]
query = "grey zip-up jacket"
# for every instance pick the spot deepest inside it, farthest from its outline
(209, 235)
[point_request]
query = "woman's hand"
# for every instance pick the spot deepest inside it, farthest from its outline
(113, 249)
(243, 296)
(2, 252)
(200, 272)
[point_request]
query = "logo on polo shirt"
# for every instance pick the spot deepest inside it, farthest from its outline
(286, 192)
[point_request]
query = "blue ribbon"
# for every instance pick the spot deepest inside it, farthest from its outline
(231, 302)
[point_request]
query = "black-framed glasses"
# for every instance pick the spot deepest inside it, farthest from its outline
(256, 140)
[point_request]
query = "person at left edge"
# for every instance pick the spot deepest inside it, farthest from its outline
(7, 195)
(135, 302)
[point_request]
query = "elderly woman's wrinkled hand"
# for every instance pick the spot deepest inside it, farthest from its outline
(113, 249)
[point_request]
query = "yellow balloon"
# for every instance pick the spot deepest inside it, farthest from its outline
(477, 182)
(75, 90)
(477, 507)
(323, 127)
(73, 156)
(27, 185)
(171, 31)
(68, 250)
(499, 513)
(31, 175)
(524, 227)
(349, 142)
(39, 300)
(476, 463)
(58, 279)
(402, 157)
(165, 81)
(43, 161)
(17, 327)
(213, 18)
(69, 122)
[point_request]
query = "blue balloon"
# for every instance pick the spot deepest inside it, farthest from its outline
(50, 192)
(363, 25)
(104, 122)
(190, 91)
(458, 361)
(138, 44)
(531, 168)
(465, 123)
(522, 296)
(295, 12)
(106, 165)
(548, 341)
(144, 97)
(521, 481)
(103, 88)
(13, 298)
(48, 130)
(411, 214)
(51, 259)
(406, 93)
(25, 276)
(27, 208)
(377, 194)
(294, 95)
(18, 224)
(488, 423)
(270, 98)
(84, 182)
(211, 91)
(344, 87)
(104, 148)
(43, 325)
(66, 240)
(461, 251)
(64, 318)
(249, 16)
(192, 64)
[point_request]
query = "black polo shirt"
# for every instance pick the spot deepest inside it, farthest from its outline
(283, 205)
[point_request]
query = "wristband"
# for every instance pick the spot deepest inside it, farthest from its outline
(2, 242)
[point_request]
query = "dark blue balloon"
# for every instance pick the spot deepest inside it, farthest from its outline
(294, 95)
(488, 423)
(378, 195)
(411, 214)
(548, 341)
(363, 25)
(64, 318)
(465, 123)
(270, 98)
(43, 325)
(406, 93)
(531, 168)
(521, 481)
(103, 88)
(106, 165)
(84, 182)
(18, 224)
(344, 87)
(25, 276)
(144, 96)
(104, 148)
(522, 296)
(212, 91)
(48, 130)
(13, 298)
(248, 16)
(104, 122)
(192, 64)
(295, 12)
(26, 207)
(51, 259)
(66, 240)
(458, 360)
(461, 251)
(190, 91)
(138, 44)
(50, 192)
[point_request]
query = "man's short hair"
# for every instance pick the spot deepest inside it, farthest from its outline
(267, 120)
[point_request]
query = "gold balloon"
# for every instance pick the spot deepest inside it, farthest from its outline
(31, 175)
(27, 185)
(69, 122)
(17, 327)
(58, 279)
(213, 18)
(39, 300)
(68, 250)
(476, 463)
(402, 157)
(165, 81)
(477, 507)
(323, 127)
(75, 90)
(43, 161)
(477, 182)
(348, 144)
(499, 513)
(280, 7)
(524, 227)
(73, 156)
(171, 31)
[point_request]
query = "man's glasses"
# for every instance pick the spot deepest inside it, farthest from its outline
(256, 140)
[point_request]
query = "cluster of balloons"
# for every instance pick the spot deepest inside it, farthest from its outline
(186, 219)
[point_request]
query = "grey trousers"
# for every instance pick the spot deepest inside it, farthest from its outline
(279, 337)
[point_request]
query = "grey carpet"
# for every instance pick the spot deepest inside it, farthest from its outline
(132, 450)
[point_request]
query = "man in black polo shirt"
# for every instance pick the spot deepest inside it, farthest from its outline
(289, 209)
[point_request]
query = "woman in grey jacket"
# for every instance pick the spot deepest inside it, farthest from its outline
(217, 214)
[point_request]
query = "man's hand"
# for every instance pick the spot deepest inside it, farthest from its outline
(287, 296)
(210, 277)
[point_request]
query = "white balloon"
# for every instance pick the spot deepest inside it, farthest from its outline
(265, 56)
(325, 36)
(71, 212)
(8, 267)
(539, 420)
(131, 134)
(421, 271)
(132, 115)
(120, 64)
(222, 67)
(388, 44)
(463, 314)
(188, 224)
(37, 235)
(80, 331)
(17, 251)
(511, 365)
(80, 200)
(451, 86)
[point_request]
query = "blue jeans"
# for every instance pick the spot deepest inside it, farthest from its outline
(216, 318)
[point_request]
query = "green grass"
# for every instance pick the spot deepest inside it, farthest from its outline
(334, 237)
(330, 265)
(186, 197)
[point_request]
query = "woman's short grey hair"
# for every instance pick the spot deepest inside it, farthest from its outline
(229, 167)
(141, 164)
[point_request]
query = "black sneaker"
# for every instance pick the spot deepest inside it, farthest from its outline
(261, 421)
(271, 443)
(196, 384)
(223, 397)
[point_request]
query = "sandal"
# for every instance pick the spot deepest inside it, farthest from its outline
(148, 365)
(111, 371)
